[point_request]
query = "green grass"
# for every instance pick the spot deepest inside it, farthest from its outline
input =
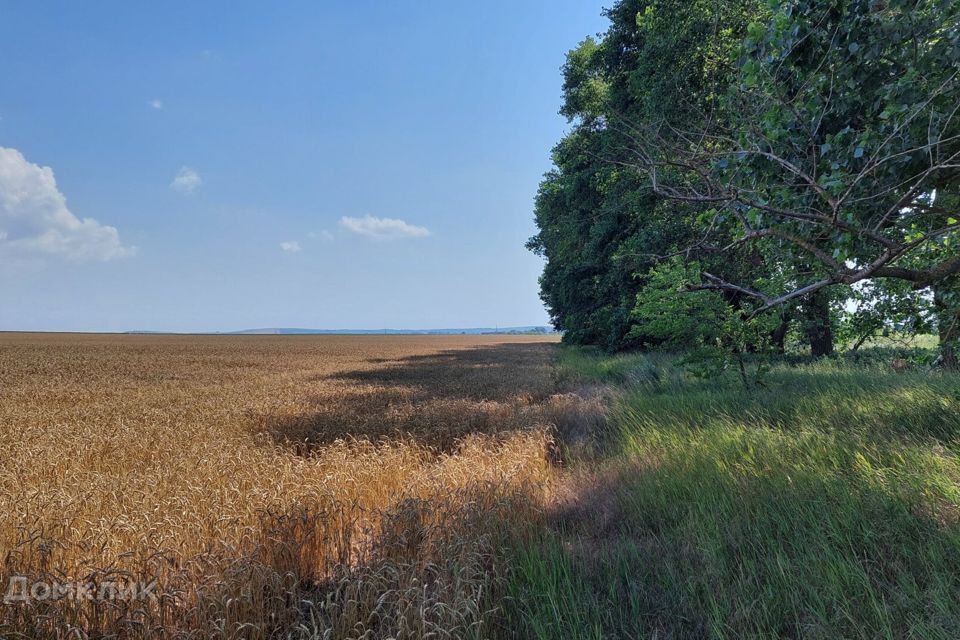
(921, 341)
(824, 505)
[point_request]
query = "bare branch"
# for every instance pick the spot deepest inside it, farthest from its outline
(721, 284)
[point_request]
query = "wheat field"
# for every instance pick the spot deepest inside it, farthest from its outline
(269, 486)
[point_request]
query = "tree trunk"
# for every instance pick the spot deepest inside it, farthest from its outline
(947, 304)
(859, 343)
(779, 336)
(817, 327)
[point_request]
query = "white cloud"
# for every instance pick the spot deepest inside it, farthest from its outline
(186, 181)
(155, 103)
(291, 246)
(323, 234)
(382, 228)
(34, 217)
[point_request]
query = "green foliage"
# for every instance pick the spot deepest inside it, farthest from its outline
(884, 308)
(715, 334)
(677, 317)
(599, 228)
(810, 142)
(586, 211)
(848, 111)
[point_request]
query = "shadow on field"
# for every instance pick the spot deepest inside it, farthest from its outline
(495, 372)
(425, 560)
(435, 399)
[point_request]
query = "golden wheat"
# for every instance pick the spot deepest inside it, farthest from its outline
(272, 486)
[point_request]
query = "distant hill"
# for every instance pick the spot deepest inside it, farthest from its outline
(286, 331)
(293, 331)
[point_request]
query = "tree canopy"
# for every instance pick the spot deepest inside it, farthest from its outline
(794, 156)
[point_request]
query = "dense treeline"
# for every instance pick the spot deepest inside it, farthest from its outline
(743, 173)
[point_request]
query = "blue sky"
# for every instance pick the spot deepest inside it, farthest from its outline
(316, 164)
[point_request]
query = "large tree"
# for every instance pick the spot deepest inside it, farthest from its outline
(600, 227)
(835, 149)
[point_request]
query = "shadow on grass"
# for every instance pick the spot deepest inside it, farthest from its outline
(877, 407)
(823, 506)
(686, 549)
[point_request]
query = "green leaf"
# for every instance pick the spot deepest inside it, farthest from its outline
(755, 30)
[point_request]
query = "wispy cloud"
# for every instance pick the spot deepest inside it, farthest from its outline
(211, 57)
(291, 246)
(382, 228)
(186, 181)
(323, 234)
(155, 103)
(34, 218)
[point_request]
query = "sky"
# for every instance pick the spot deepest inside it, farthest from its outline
(216, 166)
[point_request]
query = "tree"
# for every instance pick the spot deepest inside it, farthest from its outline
(600, 229)
(883, 306)
(588, 289)
(702, 323)
(834, 152)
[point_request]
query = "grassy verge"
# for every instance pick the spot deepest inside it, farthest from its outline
(825, 505)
